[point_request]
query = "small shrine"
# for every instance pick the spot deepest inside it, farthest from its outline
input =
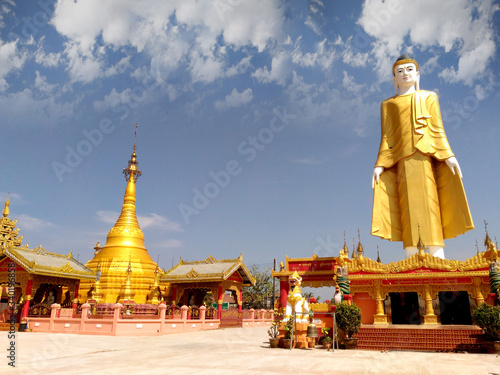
(35, 278)
(190, 282)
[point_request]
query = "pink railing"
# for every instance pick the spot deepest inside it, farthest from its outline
(116, 323)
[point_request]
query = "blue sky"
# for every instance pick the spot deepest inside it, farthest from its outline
(269, 108)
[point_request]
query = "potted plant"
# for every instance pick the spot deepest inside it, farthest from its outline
(273, 331)
(488, 319)
(326, 340)
(349, 321)
(288, 327)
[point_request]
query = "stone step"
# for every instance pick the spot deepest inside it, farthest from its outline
(5, 327)
(421, 339)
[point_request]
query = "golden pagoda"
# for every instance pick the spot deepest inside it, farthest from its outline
(127, 272)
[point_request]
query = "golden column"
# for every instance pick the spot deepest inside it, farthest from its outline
(477, 290)
(429, 317)
(379, 317)
(124, 260)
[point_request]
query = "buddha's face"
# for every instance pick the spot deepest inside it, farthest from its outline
(406, 75)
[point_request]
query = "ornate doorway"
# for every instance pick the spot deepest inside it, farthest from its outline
(455, 307)
(405, 308)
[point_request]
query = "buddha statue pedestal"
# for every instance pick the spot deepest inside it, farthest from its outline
(300, 333)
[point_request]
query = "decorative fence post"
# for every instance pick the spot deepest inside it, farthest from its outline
(85, 314)
(53, 314)
(117, 310)
(162, 313)
(252, 315)
(261, 314)
(184, 312)
(203, 311)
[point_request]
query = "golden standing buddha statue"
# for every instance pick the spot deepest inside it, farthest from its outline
(417, 180)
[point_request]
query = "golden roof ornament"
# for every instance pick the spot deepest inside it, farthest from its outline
(420, 246)
(360, 249)
(6, 207)
(378, 256)
(133, 165)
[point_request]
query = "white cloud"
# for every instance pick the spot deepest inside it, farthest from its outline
(83, 66)
(42, 84)
(153, 220)
(315, 17)
(280, 70)
(235, 99)
(322, 57)
(10, 60)
(350, 85)
(32, 223)
(13, 198)
(158, 221)
(457, 26)
(108, 217)
(239, 68)
(325, 104)
(168, 244)
(114, 99)
(46, 111)
(5, 9)
(153, 26)
(205, 68)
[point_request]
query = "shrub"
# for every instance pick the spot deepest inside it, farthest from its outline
(488, 319)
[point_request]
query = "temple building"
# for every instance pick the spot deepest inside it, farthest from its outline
(124, 268)
(421, 289)
(190, 282)
(32, 279)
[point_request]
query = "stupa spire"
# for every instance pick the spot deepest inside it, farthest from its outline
(128, 216)
(124, 250)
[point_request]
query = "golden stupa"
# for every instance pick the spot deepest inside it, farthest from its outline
(125, 271)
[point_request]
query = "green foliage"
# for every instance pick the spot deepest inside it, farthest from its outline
(273, 331)
(208, 299)
(325, 337)
(488, 319)
(288, 329)
(256, 296)
(348, 318)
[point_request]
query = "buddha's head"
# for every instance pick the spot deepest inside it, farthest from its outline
(406, 75)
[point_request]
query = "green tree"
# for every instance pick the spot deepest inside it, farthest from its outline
(258, 296)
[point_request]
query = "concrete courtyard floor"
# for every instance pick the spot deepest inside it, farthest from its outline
(224, 351)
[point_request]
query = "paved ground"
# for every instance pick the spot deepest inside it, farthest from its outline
(226, 351)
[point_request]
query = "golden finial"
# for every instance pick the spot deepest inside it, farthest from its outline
(135, 135)
(360, 249)
(133, 165)
(420, 245)
(477, 248)
(353, 250)
(345, 248)
(488, 243)
(97, 247)
(378, 256)
(6, 207)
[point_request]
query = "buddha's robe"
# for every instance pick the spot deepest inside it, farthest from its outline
(417, 192)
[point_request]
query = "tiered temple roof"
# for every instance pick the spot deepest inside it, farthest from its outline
(208, 270)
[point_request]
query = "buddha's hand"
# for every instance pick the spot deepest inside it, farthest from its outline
(452, 163)
(377, 171)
